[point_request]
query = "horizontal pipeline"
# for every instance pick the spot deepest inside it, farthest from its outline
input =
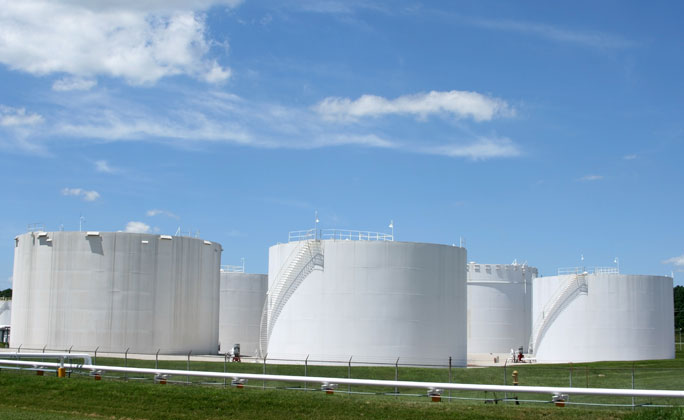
(61, 356)
(430, 386)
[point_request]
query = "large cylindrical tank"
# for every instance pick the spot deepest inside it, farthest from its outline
(499, 307)
(602, 316)
(371, 300)
(115, 291)
(5, 312)
(242, 301)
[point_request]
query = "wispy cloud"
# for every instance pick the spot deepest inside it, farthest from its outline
(73, 83)
(595, 39)
(589, 178)
(482, 148)
(137, 227)
(86, 195)
(13, 117)
(198, 118)
(676, 261)
(157, 212)
(140, 42)
(458, 104)
(104, 167)
(630, 157)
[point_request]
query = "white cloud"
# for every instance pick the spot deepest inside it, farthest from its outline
(573, 36)
(137, 227)
(87, 195)
(481, 149)
(13, 117)
(199, 117)
(157, 212)
(630, 157)
(677, 261)
(459, 104)
(73, 83)
(589, 178)
(140, 42)
(104, 167)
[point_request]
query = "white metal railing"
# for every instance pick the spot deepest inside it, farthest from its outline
(35, 227)
(339, 234)
(606, 270)
(301, 235)
(233, 268)
(564, 271)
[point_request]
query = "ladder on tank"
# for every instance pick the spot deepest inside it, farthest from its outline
(307, 256)
(565, 294)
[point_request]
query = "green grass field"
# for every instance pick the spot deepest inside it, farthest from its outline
(23, 395)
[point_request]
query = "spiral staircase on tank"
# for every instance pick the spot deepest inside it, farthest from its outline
(571, 288)
(306, 257)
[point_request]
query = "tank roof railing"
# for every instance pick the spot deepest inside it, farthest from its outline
(338, 234)
(587, 270)
(233, 268)
(35, 227)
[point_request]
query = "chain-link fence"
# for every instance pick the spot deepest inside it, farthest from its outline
(662, 375)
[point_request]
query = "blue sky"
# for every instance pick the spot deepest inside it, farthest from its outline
(537, 131)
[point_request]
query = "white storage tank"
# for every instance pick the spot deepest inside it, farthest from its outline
(5, 311)
(115, 291)
(499, 307)
(602, 315)
(241, 303)
(370, 300)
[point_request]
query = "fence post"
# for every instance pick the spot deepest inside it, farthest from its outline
(95, 357)
(263, 383)
(349, 375)
(570, 380)
(396, 375)
(225, 362)
(450, 378)
(126, 363)
(187, 378)
(586, 373)
(156, 359)
(306, 371)
(505, 380)
(632, 385)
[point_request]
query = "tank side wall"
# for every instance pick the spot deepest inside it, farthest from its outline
(242, 301)
(378, 301)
